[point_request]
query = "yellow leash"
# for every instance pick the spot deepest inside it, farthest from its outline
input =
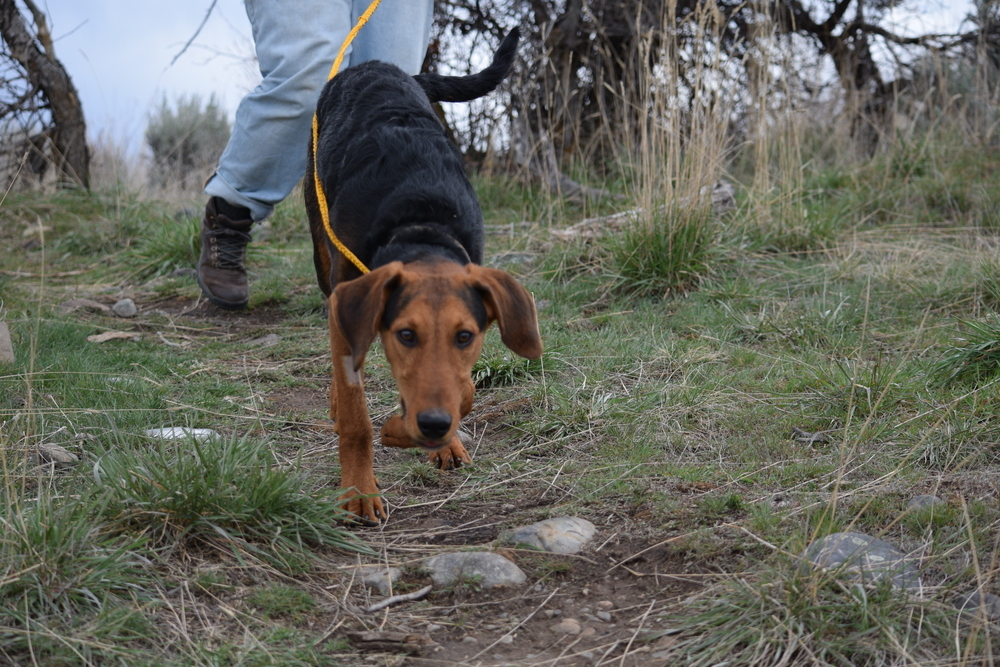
(320, 193)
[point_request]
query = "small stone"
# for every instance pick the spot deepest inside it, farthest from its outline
(265, 341)
(432, 627)
(588, 632)
(604, 616)
(562, 535)
(48, 453)
(379, 577)
(506, 639)
(6, 346)
(921, 502)
(484, 568)
(567, 626)
(469, 639)
(549, 613)
(605, 604)
(861, 557)
(125, 308)
(587, 655)
(86, 304)
(585, 609)
(591, 618)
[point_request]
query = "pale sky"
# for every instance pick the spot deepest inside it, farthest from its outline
(118, 53)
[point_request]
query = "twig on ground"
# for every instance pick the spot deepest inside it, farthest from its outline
(395, 599)
(635, 634)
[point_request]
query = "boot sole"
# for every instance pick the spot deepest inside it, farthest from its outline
(216, 301)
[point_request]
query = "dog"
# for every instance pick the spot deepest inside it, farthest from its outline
(400, 200)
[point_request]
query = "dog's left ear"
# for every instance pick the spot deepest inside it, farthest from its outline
(360, 303)
(512, 307)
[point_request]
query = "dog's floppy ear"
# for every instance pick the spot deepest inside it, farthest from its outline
(512, 307)
(360, 303)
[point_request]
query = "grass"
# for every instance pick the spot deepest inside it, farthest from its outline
(680, 355)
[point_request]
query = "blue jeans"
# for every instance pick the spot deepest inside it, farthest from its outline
(297, 42)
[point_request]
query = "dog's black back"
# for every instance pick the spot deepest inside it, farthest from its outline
(395, 185)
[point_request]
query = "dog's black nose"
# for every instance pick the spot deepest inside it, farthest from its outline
(434, 423)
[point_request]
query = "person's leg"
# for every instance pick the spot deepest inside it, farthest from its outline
(266, 154)
(397, 33)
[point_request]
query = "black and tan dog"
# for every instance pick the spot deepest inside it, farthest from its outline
(400, 200)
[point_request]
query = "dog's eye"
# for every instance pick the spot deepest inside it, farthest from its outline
(407, 337)
(463, 338)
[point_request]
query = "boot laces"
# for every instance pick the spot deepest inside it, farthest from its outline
(231, 246)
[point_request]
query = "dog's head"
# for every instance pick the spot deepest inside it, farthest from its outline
(432, 316)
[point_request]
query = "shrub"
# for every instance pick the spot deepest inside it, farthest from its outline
(186, 141)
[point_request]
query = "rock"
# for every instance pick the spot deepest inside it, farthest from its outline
(86, 304)
(604, 616)
(563, 535)
(265, 341)
(125, 308)
(60, 456)
(6, 346)
(469, 639)
(486, 569)
(921, 502)
(567, 626)
(605, 605)
(432, 627)
(379, 577)
(859, 557)
(506, 639)
(974, 602)
(182, 433)
(588, 632)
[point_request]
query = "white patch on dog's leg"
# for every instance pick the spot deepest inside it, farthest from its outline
(353, 376)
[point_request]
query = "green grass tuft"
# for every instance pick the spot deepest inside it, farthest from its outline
(226, 493)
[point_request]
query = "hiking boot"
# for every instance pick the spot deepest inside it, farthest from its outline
(222, 274)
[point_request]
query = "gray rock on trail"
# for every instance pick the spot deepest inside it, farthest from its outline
(562, 535)
(567, 626)
(921, 502)
(269, 340)
(125, 308)
(482, 567)
(379, 577)
(55, 454)
(865, 559)
(973, 602)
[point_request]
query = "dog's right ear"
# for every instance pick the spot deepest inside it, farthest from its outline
(360, 303)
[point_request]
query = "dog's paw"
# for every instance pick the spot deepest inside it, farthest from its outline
(362, 500)
(451, 456)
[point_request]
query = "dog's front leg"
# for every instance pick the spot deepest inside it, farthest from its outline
(348, 407)
(452, 455)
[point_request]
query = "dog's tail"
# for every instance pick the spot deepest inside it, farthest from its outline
(466, 88)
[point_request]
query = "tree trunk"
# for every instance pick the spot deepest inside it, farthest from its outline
(34, 53)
